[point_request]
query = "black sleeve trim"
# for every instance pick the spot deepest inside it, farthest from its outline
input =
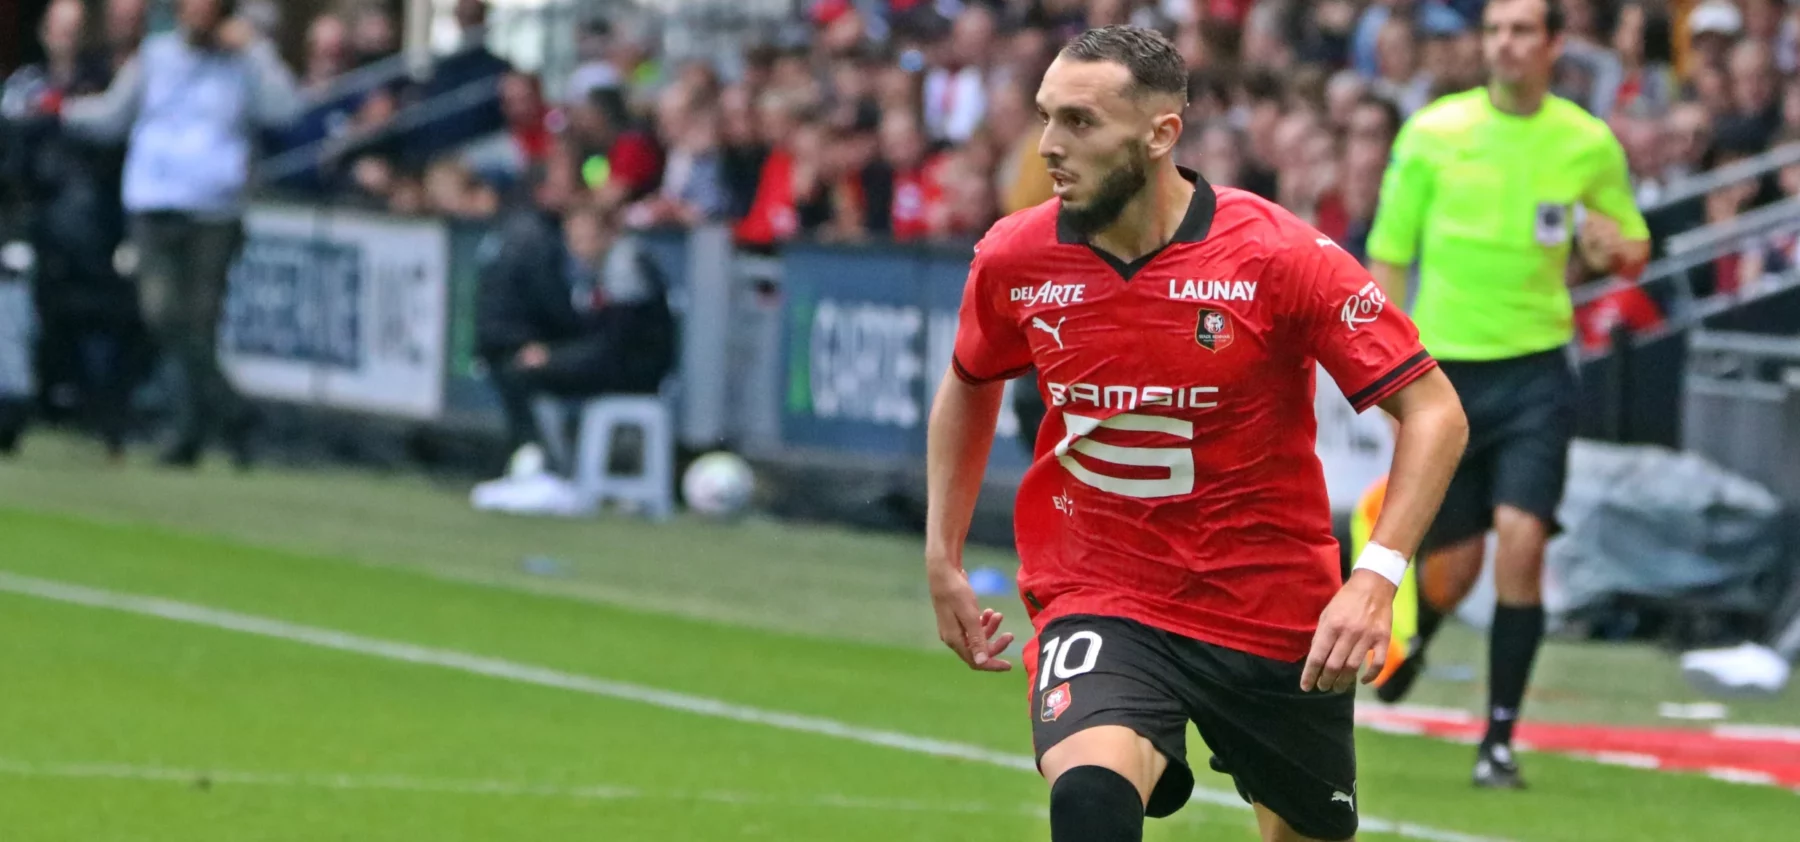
(1396, 379)
(973, 380)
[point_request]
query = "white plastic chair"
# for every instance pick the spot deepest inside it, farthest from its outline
(652, 489)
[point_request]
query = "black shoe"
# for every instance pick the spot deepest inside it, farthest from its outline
(1397, 684)
(1496, 768)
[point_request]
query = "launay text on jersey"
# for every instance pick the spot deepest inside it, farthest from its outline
(1203, 290)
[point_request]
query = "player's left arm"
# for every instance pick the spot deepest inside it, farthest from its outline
(1615, 239)
(1372, 350)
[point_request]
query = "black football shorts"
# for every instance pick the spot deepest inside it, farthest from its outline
(1521, 421)
(1289, 751)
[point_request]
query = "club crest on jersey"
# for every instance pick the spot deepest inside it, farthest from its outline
(1214, 332)
(1056, 701)
(1050, 294)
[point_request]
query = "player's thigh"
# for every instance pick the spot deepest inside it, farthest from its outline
(1531, 460)
(1101, 691)
(1117, 747)
(1275, 829)
(1291, 752)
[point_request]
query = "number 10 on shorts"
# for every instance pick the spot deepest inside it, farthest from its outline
(1056, 657)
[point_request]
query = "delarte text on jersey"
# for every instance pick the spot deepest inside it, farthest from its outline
(1051, 293)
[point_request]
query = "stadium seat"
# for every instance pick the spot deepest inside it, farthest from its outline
(652, 489)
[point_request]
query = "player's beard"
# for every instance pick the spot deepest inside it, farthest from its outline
(1117, 188)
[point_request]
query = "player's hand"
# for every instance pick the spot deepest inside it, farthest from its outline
(963, 626)
(1600, 242)
(1353, 630)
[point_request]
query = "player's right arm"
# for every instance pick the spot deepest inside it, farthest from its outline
(1372, 350)
(1406, 191)
(989, 351)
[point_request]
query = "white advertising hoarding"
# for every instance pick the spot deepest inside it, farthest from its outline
(340, 309)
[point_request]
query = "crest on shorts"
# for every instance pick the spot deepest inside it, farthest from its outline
(1214, 331)
(1056, 701)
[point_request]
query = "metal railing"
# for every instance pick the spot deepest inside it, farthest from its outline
(1703, 183)
(320, 153)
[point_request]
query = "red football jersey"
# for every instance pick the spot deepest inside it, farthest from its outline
(1175, 481)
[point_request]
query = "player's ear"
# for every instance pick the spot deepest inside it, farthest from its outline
(1165, 132)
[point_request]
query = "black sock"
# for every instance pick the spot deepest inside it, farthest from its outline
(1095, 804)
(1429, 621)
(1517, 631)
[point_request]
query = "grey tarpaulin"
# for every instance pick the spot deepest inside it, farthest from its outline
(1653, 523)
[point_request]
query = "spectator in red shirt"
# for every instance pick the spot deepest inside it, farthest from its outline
(620, 162)
(522, 102)
(915, 192)
(773, 217)
(1622, 304)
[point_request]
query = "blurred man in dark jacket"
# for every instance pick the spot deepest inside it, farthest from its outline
(569, 308)
(87, 313)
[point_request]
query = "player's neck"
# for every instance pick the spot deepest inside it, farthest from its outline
(1521, 100)
(1149, 221)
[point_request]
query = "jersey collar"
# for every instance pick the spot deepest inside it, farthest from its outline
(1194, 227)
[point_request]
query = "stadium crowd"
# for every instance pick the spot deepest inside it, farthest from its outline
(911, 120)
(908, 121)
(902, 120)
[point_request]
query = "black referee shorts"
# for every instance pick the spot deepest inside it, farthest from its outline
(1292, 752)
(1521, 420)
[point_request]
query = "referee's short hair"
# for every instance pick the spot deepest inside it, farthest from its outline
(1554, 19)
(1155, 65)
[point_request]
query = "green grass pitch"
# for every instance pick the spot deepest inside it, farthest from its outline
(120, 723)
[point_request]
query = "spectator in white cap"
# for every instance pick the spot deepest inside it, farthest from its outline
(1712, 27)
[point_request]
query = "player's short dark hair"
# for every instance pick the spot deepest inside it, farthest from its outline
(1155, 64)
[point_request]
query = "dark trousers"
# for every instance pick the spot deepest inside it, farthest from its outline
(577, 368)
(184, 265)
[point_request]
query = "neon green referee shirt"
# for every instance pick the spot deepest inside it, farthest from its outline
(1484, 200)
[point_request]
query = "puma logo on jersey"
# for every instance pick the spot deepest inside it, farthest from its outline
(1055, 332)
(1344, 797)
(1197, 290)
(1051, 294)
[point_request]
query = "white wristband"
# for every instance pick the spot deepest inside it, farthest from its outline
(1390, 564)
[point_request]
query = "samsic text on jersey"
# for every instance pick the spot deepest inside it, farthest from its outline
(1175, 480)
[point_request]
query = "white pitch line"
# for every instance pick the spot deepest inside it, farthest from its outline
(200, 615)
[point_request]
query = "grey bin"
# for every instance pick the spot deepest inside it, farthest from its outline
(1741, 406)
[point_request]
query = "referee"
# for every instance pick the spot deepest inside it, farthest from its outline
(1481, 192)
